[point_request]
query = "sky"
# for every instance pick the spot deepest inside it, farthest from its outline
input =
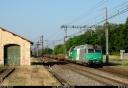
(33, 18)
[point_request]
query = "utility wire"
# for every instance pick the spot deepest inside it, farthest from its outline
(98, 17)
(112, 14)
(118, 12)
(89, 11)
(86, 13)
(118, 6)
(54, 34)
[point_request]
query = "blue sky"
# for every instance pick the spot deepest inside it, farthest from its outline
(34, 18)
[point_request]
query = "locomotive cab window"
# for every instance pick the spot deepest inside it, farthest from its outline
(90, 50)
(97, 51)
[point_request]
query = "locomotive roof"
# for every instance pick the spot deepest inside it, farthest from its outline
(88, 46)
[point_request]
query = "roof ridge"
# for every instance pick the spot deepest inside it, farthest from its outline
(16, 35)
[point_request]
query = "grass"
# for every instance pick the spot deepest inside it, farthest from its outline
(124, 63)
(114, 60)
(112, 57)
(2, 67)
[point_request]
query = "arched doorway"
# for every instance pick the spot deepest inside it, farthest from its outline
(12, 55)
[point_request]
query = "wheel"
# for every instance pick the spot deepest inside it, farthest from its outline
(101, 65)
(86, 64)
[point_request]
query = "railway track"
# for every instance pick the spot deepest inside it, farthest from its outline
(114, 73)
(4, 73)
(122, 73)
(95, 74)
(98, 77)
(62, 81)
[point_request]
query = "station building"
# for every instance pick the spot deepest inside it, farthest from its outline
(14, 49)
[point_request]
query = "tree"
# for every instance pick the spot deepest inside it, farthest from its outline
(58, 49)
(47, 51)
(118, 38)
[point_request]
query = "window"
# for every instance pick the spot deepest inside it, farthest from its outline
(98, 51)
(90, 50)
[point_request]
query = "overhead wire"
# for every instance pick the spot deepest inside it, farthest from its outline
(102, 19)
(118, 6)
(96, 17)
(89, 11)
(118, 12)
(54, 34)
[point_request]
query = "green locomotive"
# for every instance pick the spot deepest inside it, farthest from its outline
(88, 55)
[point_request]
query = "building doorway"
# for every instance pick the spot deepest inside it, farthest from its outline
(12, 55)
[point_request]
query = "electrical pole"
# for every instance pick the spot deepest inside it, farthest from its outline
(107, 56)
(35, 51)
(38, 48)
(65, 29)
(53, 44)
(47, 46)
(65, 45)
(41, 42)
(42, 46)
(65, 41)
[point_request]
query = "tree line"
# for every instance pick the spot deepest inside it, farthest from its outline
(117, 35)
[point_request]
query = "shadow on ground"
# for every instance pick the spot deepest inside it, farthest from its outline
(36, 63)
(49, 63)
(112, 64)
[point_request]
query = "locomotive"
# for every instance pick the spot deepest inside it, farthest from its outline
(89, 55)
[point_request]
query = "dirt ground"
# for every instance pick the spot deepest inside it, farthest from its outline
(34, 75)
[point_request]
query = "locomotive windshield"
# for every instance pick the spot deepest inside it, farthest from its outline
(72, 48)
(98, 51)
(90, 50)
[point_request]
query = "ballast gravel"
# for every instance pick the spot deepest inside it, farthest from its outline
(73, 78)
